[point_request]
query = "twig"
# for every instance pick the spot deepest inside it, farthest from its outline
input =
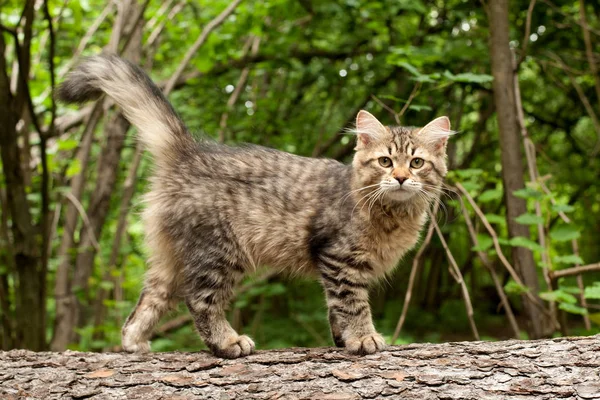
(254, 43)
(533, 175)
(501, 256)
(199, 42)
(588, 48)
(457, 275)
(574, 271)
(84, 217)
(158, 13)
(385, 106)
(575, 247)
(157, 31)
(412, 95)
(526, 36)
(413, 274)
(584, 100)
(486, 262)
(86, 38)
(561, 12)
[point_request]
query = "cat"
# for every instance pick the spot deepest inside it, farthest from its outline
(215, 212)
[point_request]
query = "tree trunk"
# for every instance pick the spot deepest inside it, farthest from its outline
(542, 370)
(30, 305)
(511, 157)
(115, 132)
(68, 307)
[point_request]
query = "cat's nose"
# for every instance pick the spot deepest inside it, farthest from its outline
(401, 179)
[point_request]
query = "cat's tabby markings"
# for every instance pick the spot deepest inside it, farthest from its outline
(215, 212)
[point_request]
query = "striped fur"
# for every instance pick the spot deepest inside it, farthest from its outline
(216, 212)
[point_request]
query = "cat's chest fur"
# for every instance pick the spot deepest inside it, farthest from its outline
(386, 245)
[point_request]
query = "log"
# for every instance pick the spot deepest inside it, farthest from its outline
(565, 368)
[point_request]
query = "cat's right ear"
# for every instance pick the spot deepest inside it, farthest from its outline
(368, 129)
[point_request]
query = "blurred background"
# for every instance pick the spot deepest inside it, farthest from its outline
(514, 247)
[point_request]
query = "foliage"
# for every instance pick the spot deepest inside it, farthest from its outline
(317, 64)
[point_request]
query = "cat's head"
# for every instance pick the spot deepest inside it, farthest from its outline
(401, 163)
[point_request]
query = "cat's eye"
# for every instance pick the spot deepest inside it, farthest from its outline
(417, 163)
(385, 162)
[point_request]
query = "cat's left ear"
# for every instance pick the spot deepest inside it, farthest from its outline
(368, 129)
(436, 133)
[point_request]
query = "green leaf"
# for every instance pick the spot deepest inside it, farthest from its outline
(592, 292)
(74, 168)
(528, 193)
(563, 208)
(67, 144)
(564, 233)
(570, 289)
(520, 241)
(106, 285)
(484, 242)
(490, 195)
(573, 309)
(559, 295)
(468, 77)
(495, 219)
(468, 173)
(529, 219)
(410, 68)
(504, 241)
(570, 259)
(513, 287)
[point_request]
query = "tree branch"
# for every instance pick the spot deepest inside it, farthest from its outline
(541, 369)
(199, 42)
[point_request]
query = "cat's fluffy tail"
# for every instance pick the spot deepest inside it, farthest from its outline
(143, 104)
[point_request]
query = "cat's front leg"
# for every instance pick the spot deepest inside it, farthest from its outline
(349, 312)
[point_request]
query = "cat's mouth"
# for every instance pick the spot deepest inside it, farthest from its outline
(400, 193)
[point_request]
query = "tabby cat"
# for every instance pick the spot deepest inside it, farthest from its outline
(215, 212)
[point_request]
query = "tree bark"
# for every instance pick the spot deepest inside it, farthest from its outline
(543, 369)
(30, 305)
(511, 157)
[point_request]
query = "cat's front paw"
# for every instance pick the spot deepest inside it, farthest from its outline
(141, 347)
(235, 347)
(368, 344)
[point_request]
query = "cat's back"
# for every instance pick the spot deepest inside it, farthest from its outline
(261, 198)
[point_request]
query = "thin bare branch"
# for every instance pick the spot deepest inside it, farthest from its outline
(79, 207)
(412, 95)
(589, 48)
(530, 155)
(574, 271)
(501, 255)
(388, 108)
(584, 100)
(254, 43)
(486, 262)
(199, 42)
(575, 247)
(527, 33)
(159, 28)
(86, 38)
(413, 274)
(457, 275)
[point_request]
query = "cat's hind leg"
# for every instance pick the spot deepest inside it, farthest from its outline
(157, 298)
(208, 293)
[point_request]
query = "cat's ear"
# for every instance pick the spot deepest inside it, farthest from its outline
(436, 133)
(368, 129)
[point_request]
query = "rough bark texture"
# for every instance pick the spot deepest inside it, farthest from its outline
(29, 304)
(512, 158)
(566, 368)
